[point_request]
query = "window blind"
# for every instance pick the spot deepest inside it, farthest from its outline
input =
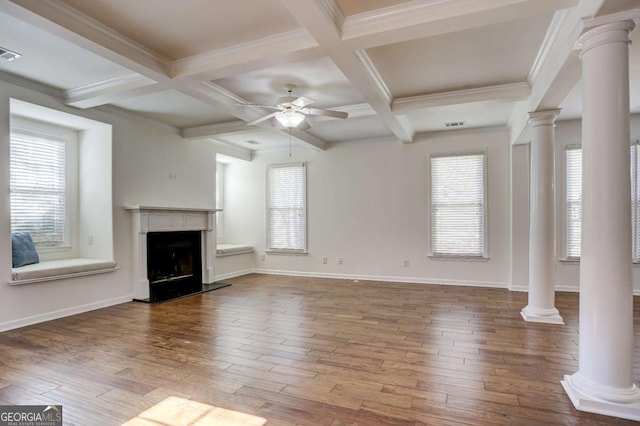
(457, 205)
(286, 208)
(635, 198)
(38, 189)
(573, 201)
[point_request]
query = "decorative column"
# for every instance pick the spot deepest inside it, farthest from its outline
(541, 306)
(604, 380)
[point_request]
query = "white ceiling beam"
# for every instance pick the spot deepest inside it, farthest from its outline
(111, 90)
(412, 20)
(502, 92)
(232, 150)
(558, 70)
(60, 19)
(232, 127)
(318, 17)
(216, 63)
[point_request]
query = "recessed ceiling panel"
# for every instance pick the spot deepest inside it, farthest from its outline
(350, 129)
(177, 29)
(51, 60)
(258, 140)
(352, 7)
(176, 109)
(319, 79)
(495, 54)
(473, 115)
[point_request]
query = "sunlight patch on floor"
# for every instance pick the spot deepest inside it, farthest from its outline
(174, 411)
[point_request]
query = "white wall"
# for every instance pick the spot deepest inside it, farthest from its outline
(567, 276)
(367, 203)
(151, 166)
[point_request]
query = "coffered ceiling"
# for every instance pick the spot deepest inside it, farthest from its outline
(400, 69)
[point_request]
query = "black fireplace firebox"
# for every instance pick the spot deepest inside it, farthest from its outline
(174, 264)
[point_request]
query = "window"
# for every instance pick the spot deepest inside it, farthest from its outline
(574, 201)
(573, 189)
(457, 206)
(286, 208)
(39, 172)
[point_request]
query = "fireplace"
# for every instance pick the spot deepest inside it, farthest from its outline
(173, 252)
(174, 264)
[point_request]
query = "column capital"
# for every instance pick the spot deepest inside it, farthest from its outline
(606, 29)
(543, 118)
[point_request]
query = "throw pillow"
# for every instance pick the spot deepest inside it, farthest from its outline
(23, 251)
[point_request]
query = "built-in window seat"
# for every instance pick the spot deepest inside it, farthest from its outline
(60, 269)
(224, 249)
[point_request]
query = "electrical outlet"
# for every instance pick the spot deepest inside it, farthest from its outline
(406, 263)
(340, 261)
(262, 257)
(325, 260)
(90, 240)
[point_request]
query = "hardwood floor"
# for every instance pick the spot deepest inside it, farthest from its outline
(308, 351)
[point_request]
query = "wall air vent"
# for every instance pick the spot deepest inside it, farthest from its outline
(253, 142)
(8, 55)
(454, 124)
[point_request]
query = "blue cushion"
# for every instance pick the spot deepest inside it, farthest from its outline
(23, 252)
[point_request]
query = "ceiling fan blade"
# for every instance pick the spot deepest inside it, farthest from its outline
(261, 119)
(303, 101)
(328, 113)
(261, 106)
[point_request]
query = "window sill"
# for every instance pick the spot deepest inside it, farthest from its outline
(458, 258)
(223, 249)
(287, 252)
(60, 269)
(576, 261)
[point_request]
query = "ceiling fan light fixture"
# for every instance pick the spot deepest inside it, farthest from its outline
(290, 118)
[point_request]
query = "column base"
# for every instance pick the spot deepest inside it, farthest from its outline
(594, 398)
(548, 316)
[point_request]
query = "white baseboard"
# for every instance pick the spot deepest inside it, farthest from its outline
(48, 316)
(233, 274)
(384, 278)
(519, 287)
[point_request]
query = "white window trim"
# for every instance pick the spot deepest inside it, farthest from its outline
(268, 249)
(562, 235)
(22, 126)
(485, 255)
(220, 195)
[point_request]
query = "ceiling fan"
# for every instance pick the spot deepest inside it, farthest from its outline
(291, 110)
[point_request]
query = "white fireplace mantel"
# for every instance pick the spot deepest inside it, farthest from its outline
(169, 219)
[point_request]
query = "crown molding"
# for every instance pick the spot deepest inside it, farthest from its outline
(557, 22)
(105, 91)
(76, 27)
(407, 20)
(209, 130)
(332, 9)
(373, 73)
(502, 92)
(231, 150)
(134, 116)
(266, 47)
(31, 85)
